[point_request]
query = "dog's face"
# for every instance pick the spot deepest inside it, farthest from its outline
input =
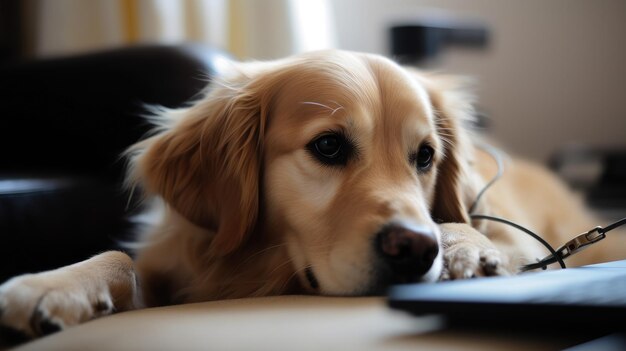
(345, 158)
(351, 156)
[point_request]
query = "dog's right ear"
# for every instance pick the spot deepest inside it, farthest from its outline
(453, 106)
(205, 161)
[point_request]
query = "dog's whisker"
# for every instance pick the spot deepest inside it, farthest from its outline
(333, 110)
(338, 104)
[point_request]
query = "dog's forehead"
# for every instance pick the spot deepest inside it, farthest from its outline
(404, 101)
(366, 91)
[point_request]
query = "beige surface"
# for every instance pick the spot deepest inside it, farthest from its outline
(279, 323)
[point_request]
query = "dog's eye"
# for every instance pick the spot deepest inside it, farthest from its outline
(328, 146)
(330, 149)
(424, 158)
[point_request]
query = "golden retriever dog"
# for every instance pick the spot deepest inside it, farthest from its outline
(332, 173)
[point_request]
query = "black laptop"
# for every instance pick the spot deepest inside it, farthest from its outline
(589, 296)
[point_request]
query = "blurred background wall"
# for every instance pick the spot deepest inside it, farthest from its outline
(554, 72)
(551, 75)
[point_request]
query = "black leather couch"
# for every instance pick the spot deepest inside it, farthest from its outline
(64, 123)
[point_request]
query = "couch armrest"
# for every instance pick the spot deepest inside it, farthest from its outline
(79, 113)
(64, 124)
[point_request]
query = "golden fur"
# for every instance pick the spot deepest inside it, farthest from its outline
(247, 209)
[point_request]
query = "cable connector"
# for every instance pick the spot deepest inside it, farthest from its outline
(573, 246)
(581, 242)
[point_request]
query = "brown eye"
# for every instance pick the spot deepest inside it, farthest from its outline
(424, 158)
(332, 149)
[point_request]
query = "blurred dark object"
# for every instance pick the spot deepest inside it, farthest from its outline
(482, 121)
(64, 124)
(420, 43)
(599, 173)
(611, 342)
(11, 33)
(417, 43)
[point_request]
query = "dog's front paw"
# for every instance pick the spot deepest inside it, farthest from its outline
(467, 260)
(40, 304)
(469, 254)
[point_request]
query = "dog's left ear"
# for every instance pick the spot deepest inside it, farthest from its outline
(453, 106)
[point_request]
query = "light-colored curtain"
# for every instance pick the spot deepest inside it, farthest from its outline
(265, 29)
(259, 29)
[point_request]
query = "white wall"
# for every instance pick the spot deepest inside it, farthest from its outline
(555, 72)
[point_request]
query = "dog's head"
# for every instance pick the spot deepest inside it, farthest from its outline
(348, 159)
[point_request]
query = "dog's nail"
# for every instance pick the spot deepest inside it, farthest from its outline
(47, 327)
(103, 306)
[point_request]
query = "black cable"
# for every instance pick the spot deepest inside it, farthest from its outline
(529, 232)
(613, 226)
(543, 264)
(497, 156)
(554, 256)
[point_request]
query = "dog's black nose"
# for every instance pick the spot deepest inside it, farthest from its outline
(408, 251)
